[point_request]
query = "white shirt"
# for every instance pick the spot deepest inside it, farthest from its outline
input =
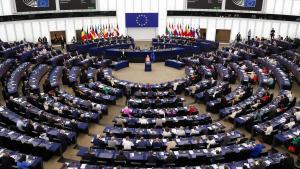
(167, 134)
(269, 130)
(297, 114)
(127, 144)
(20, 125)
(175, 86)
(143, 121)
(193, 131)
(290, 124)
(210, 142)
(180, 132)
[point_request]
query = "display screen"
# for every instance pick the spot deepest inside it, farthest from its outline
(204, 4)
(251, 5)
(77, 4)
(35, 5)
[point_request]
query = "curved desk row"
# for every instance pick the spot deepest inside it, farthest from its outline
(139, 56)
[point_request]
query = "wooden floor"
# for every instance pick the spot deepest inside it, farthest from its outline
(136, 73)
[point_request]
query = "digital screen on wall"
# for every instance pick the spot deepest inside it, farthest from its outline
(35, 5)
(204, 4)
(250, 5)
(77, 4)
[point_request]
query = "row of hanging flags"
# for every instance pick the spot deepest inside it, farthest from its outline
(181, 30)
(100, 31)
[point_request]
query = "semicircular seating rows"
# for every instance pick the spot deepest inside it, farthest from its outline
(51, 97)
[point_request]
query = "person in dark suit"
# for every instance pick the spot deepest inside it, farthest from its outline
(29, 127)
(141, 143)
(99, 141)
(287, 162)
(157, 143)
(272, 33)
(62, 137)
(62, 42)
(121, 156)
(225, 140)
(42, 117)
(7, 161)
(151, 158)
(90, 156)
(171, 158)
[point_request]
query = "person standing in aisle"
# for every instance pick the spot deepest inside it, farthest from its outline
(249, 35)
(272, 33)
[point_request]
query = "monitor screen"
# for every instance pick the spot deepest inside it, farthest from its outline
(252, 5)
(204, 4)
(35, 5)
(77, 4)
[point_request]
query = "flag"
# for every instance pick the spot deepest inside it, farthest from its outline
(93, 35)
(105, 33)
(82, 35)
(188, 32)
(167, 31)
(96, 32)
(117, 33)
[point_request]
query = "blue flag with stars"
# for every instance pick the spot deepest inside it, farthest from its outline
(43, 3)
(141, 19)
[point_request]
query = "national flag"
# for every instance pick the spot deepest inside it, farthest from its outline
(167, 31)
(105, 33)
(188, 32)
(116, 30)
(82, 34)
(96, 33)
(93, 34)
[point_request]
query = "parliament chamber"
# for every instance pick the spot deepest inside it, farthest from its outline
(198, 84)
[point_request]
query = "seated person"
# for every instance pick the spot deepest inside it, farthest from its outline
(20, 125)
(159, 122)
(143, 121)
(180, 131)
(297, 114)
(257, 150)
(194, 131)
(112, 143)
(7, 161)
(166, 132)
(127, 144)
(171, 158)
(22, 163)
(268, 129)
(290, 124)
(152, 158)
(255, 105)
(171, 144)
(99, 141)
(157, 143)
(210, 141)
(192, 110)
(119, 121)
(141, 143)
(235, 112)
(120, 156)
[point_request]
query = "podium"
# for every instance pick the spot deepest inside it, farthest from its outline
(148, 66)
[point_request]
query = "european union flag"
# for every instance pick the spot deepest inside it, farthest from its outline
(250, 3)
(43, 3)
(141, 19)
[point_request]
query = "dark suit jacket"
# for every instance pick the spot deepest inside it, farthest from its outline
(7, 162)
(170, 159)
(152, 159)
